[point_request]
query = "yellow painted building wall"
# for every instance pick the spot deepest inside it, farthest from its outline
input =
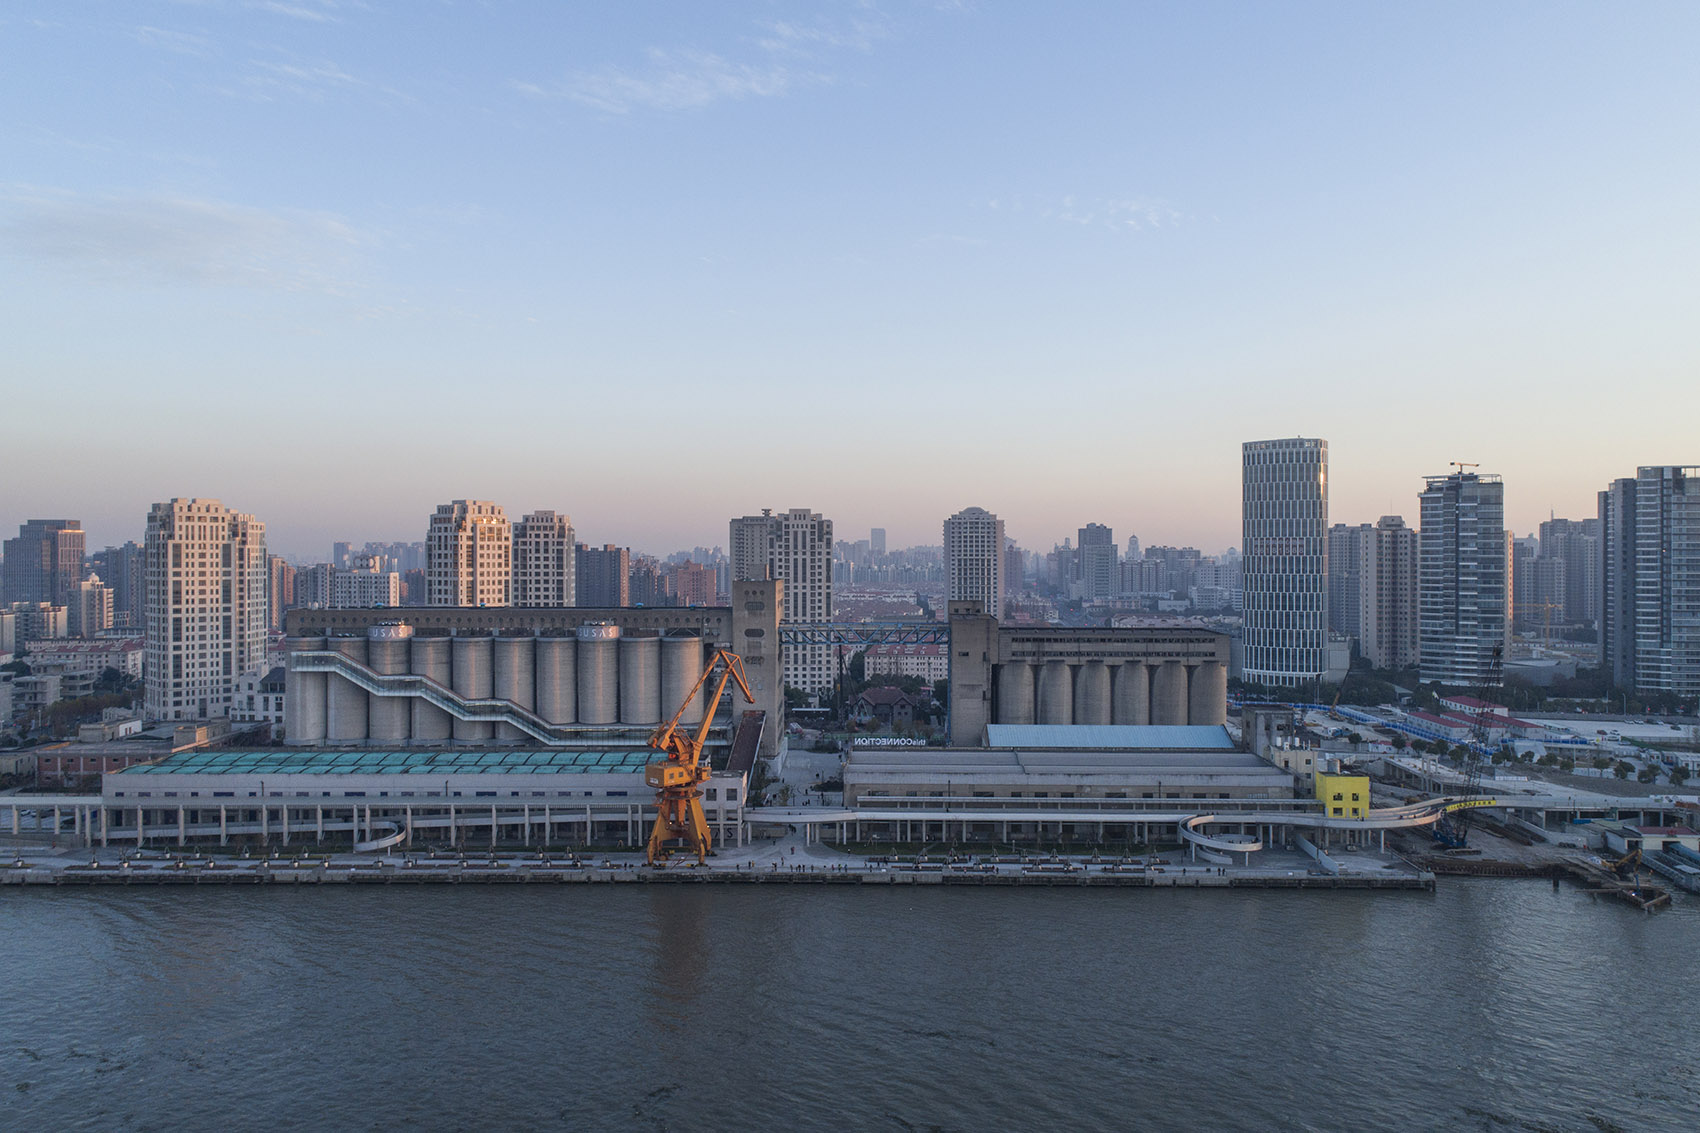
(1343, 796)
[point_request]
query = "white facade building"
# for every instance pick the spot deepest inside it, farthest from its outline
(794, 547)
(1285, 572)
(364, 585)
(207, 575)
(469, 549)
(544, 560)
(1463, 578)
(973, 558)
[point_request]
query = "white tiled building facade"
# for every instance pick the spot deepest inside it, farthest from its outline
(207, 575)
(469, 550)
(544, 559)
(973, 558)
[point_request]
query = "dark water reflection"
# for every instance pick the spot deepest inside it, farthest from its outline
(1486, 1006)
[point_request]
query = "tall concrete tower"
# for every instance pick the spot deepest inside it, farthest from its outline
(469, 549)
(1285, 532)
(1463, 577)
(207, 579)
(973, 559)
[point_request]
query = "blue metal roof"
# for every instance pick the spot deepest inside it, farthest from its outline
(1122, 737)
(454, 761)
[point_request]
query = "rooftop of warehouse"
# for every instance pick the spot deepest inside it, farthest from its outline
(1119, 737)
(460, 761)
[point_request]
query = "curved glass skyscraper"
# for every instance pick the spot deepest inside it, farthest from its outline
(1285, 527)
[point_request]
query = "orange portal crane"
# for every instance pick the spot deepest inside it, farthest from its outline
(678, 799)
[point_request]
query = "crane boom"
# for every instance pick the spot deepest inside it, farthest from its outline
(677, 779)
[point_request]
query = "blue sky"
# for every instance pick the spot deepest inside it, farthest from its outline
(657, 264)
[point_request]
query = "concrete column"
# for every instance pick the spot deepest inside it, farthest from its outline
(319, 823)
(389, 718)
(472, 679)
(1015, 693)
(283, 814)
(1168, 694)
(1092, 693)
(526, 838)
(429, 657)
(1056, 693)
(492, 826)
(515, 663)
(223, 826)
(140, 828)
(304, 697)
(1132, 696)
(346, 709)
(182, 826)
(1207, 693)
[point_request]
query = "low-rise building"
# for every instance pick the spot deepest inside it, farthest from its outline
(929, 661)
(259, 698)
(887, 705)
(1343, 791)
(70, 657)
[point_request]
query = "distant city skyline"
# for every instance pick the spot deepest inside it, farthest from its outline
(611, 515)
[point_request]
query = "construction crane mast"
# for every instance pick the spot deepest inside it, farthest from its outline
(1454, 829)
(677, 779)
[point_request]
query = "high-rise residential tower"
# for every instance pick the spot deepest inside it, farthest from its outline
(1387, 595)
(1100, 571)
(973, 558)
(206, 607)
(90, 609)
(125, 570)
(602, 576)
(1650, 620)
(1345, 578)
(43, 562)
(545, 558)
(469, 548)
(1463, 578)
(794, 547)
(1284, 521)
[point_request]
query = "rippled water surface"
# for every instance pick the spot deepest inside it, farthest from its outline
(1490, 1005)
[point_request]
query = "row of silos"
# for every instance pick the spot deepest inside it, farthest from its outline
(1099, 692)
(598, 676)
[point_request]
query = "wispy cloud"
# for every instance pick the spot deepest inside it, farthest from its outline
(316, 11)
(314, 80)
(180, 42)
(672, 80)
(779, 57)
(1117, 214)
(151, 239)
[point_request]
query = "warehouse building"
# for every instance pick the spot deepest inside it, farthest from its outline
(1092, 676)
(563, 677)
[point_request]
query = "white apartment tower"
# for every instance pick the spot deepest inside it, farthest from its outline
(1285, 532)
(973, 558)
(1463, 578)
(794, 547)
(469, 555)
(207, 575)
(1387, 595)
(544, 560)
(1651, 620)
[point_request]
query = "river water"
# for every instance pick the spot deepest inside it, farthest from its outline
(1487, 1005)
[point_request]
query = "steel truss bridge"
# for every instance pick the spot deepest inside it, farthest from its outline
(865, 633)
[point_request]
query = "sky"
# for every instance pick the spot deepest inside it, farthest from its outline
(655, 265)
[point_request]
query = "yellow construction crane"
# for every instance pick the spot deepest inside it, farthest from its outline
(678, 799)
